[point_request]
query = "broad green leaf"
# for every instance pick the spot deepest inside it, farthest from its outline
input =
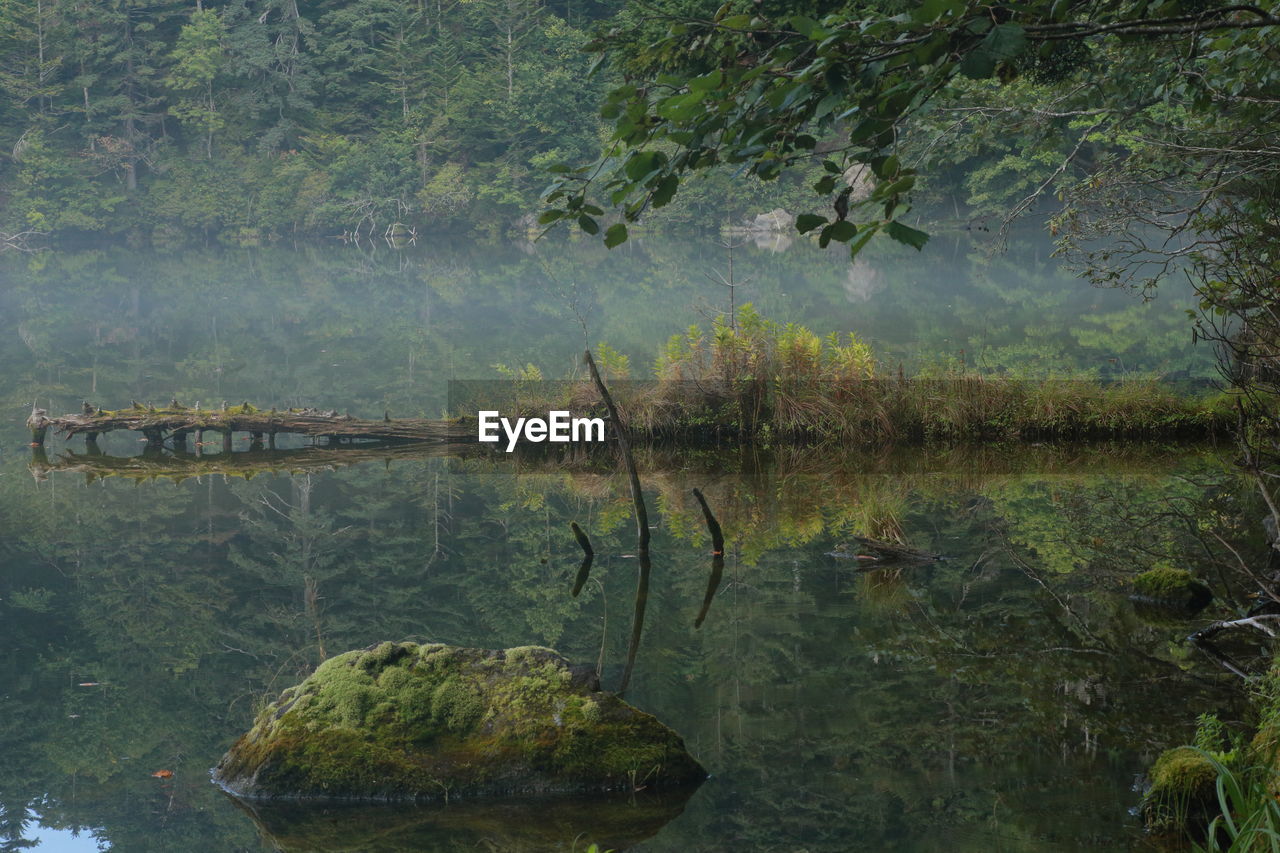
(615, 236)
(900, 186)
(827, 105)
(808, 27)
(666, 190)
(1002, 42)
(1006, 41)
(841, 231)
(885, 167)
(586, 223)
(906, 234)
(931, 10)
(707, 82)
(806, 222)
(856, 246)
(643, 163)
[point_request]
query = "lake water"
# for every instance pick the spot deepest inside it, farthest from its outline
(1007, 698)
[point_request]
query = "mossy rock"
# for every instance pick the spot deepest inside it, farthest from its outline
(1183, 795)
(402, 721)
(1172, 588)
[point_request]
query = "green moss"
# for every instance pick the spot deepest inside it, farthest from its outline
(399, 720)
(1172, 585)
(1182, 789)
(456, 705)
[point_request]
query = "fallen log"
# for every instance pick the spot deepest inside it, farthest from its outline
(176, 422)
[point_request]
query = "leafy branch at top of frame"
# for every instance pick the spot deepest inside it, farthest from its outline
(764, 94)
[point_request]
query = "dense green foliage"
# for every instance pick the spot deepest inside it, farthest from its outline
(253, 117)
(256, 119)
(1136, 103)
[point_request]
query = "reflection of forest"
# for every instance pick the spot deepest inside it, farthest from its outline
(338, 328)
(1009, 691)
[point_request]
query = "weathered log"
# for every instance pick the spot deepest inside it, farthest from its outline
(178, 420)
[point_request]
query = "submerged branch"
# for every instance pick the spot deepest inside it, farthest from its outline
(713, 526)
(624, 445)
(717, 558)
(642, 521)
(583, 542)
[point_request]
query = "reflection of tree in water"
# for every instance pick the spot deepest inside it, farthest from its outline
(308, 550)
(862, 281)
(831, 704)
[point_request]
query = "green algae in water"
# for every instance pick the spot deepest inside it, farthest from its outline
(402, 721)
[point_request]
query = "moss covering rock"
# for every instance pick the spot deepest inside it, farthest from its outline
(1183, 792)
(1172, 587)
(401, 721)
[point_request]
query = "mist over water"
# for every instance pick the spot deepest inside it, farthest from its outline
(1009, 695)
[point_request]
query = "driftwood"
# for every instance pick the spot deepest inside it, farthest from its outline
(175, 422)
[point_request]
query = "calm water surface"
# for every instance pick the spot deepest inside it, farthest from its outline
(1006, 698)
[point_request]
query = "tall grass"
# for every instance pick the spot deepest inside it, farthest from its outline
(1249, 818)
(762, 380)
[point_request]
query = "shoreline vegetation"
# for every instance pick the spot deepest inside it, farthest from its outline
(750, 379)
(747, 380)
